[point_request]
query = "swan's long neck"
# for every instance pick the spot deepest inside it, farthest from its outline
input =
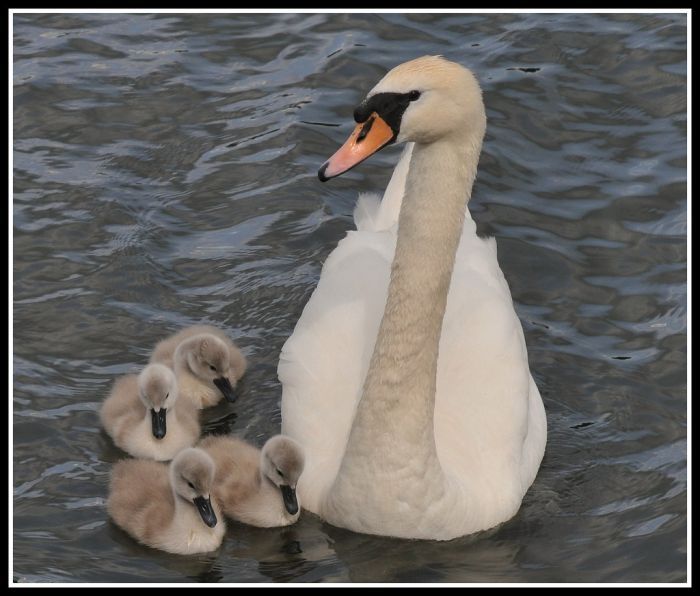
(394, 419)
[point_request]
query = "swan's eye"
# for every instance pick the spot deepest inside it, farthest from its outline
(413, 95)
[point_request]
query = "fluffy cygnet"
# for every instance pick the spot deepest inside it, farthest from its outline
(207, 363)
(168, 507)
(145, 418)
(257, 487)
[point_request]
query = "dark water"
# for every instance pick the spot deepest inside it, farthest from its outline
(164, 175)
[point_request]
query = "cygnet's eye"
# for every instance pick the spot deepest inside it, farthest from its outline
(190, 485)
(413, 95)
(212, 367)
(279, 472)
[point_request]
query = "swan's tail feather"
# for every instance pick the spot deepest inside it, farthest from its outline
(366, 212)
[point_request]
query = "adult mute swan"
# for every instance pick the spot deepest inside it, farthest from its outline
(406, 379)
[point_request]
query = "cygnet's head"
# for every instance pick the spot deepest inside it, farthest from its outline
(423, 100)
(192, 478)
(158, 393)
(208, 359)
(282, 462)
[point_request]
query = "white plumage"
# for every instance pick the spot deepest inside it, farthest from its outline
(488, 423)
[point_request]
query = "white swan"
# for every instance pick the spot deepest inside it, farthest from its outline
(206, 362)
(406, 379)
(257, 486)
(168, 507)
(145, 416)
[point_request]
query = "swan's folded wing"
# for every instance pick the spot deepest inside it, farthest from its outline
(483, 383)
(324, 362)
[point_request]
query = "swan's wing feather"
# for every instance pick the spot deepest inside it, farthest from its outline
(365, 213)
(324, 362)
(482, 367)
(483, 380)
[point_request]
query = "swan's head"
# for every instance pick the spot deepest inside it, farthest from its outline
(282, 462)
(207, 358)
(192, 478)
(158, 393)
(421, 101)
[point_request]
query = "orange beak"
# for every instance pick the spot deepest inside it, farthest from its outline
(367, 138)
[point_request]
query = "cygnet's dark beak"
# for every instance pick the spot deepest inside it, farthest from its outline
(205, 510)
(289, 496)
(224, 385)
(158, 423)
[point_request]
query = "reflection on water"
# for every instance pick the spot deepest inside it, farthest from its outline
(164, 175)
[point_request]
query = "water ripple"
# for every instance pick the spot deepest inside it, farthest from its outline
(165, 175)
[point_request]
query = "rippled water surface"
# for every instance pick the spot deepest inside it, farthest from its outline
(165, 175)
